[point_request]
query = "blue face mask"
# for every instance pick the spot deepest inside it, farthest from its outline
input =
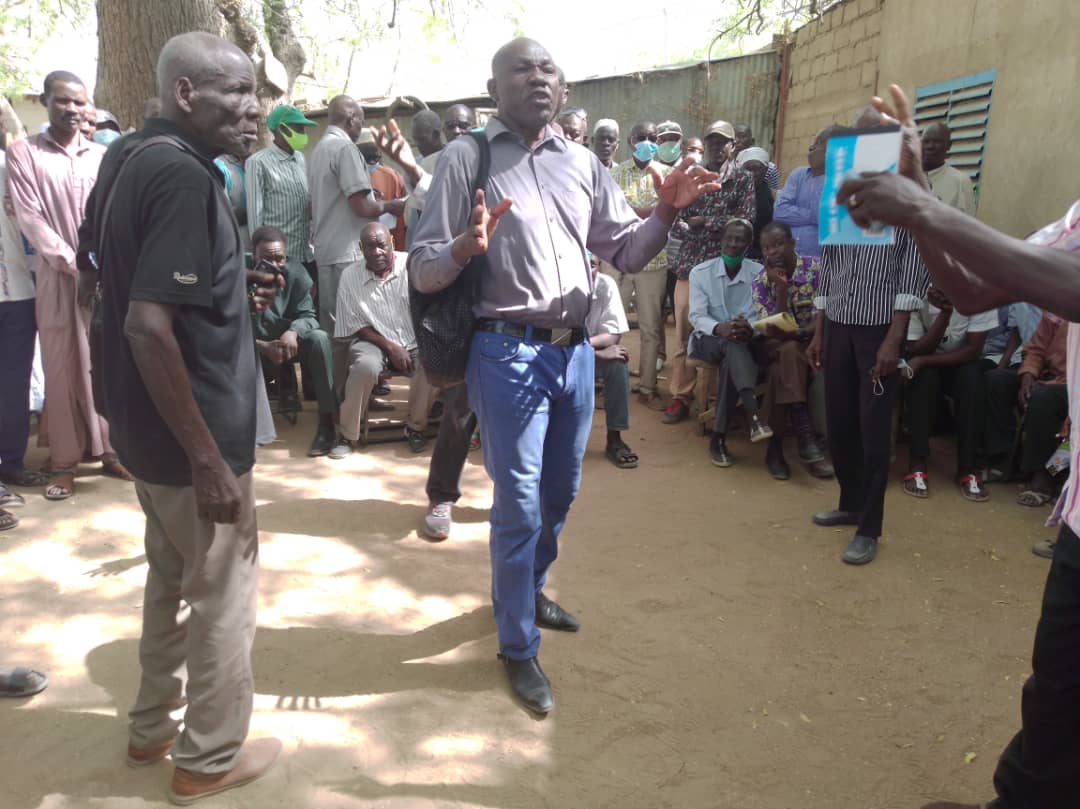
(644, 151)
(105, 136)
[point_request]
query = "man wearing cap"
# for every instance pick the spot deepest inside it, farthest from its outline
(605, 141)
(648, 286)
(701, 228)
(744, 139)
(276, 183)
(342, 202)
(669, 143)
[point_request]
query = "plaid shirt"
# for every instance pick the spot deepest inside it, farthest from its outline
(734, 200)
(637, 185)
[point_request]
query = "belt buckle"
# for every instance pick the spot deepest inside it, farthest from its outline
(561, 336)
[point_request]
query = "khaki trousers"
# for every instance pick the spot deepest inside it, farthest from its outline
(647, 289)
(198, 626)
(358, 365)
(682, 378)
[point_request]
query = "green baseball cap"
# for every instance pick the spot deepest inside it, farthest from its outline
(284, 114)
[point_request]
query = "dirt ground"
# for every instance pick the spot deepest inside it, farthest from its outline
(727, 658)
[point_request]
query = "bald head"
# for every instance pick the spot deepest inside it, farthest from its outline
(936, 142)
(427, 132)
(525, 85)
(377, 245)
(345, 113)
(458, 120)
(224, 114)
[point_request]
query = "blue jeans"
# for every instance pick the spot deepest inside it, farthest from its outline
(534, 404)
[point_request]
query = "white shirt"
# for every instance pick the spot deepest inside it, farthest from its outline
(16, 282)
(606, 315)
(382, 303)
(958, 328)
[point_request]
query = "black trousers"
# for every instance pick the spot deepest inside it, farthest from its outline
(961, 383)
(451, 446)
(1040, 768)
(859, 420)
(1047, 409)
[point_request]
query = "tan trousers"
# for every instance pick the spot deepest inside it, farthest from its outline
(359, 364)
(198, 626)
(682, 378)
(647, 289)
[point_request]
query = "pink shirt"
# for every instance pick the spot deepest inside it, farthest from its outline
(49, 185)
(1065, 235)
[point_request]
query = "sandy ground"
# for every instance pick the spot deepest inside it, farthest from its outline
(727, 657)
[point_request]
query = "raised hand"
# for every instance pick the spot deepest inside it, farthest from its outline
(911, 149)
(393, 144)
(682, 186)
(482, 223)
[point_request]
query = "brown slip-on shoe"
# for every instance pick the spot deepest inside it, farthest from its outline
(145, 756)
(256, 757)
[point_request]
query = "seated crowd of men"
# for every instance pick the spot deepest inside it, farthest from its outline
(742, 273)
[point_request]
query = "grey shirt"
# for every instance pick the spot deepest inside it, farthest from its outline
(565, 204)
(336, 171)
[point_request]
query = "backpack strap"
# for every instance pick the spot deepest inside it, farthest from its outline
(483, 166)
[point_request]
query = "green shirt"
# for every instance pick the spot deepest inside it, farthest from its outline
(292, 310)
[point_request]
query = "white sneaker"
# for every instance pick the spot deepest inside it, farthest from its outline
(437, 521)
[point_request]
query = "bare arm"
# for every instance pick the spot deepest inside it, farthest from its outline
(399, 355)
(970, 350)
(365, 206)
(929, 341)
(149, 330)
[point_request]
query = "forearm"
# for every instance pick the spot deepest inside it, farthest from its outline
(157, 355)
(599, 341)
(365, 206)
(932, 339)
(897, 328)
(369, 335)
(986, 268)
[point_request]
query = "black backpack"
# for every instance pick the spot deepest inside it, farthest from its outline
(444, 321)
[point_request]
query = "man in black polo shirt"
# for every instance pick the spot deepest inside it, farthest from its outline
(179, 382)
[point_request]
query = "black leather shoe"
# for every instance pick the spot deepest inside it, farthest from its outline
(830, 518)
(550, 615)
(861, 550)
(324, 441)
(776, 464)
(529, 684)
(718, 453)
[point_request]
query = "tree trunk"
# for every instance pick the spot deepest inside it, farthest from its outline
(131, 33)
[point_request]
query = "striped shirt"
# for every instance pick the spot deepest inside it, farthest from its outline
(276, 187)
(862, 285)
(364, 300)
(1065, 235)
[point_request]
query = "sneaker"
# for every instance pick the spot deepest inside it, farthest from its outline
(324, 441)
(676, 411)
(759, 431)
(417, 440)
(809, 450)
(718, 453)
(437, 521)
(342, 449)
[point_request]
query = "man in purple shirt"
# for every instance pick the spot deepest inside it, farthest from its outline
(798, 201)
(530, 375)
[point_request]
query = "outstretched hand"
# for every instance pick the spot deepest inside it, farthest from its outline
(482, 223)
(911, 147)
(682, 186)
(394, 145)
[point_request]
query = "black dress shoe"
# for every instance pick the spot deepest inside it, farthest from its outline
(323, 442)
(529, 684)
(550, 615)
(830, 518)
(861, 550)
(777, 465)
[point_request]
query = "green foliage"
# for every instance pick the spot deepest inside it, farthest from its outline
(752, 23)
(24, 26)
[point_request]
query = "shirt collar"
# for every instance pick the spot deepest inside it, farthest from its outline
(161, 126)
(745, 275)
(395, 271)
(279, 153)
(496, 128)
(336, 132)
(78, 147)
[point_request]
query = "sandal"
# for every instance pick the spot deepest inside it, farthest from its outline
(971, 488)
(115, 469)
(21, 682)
(1033, 498)
(61, 486)
(621, 455)
(24, 477)
(915, 484)
(7, 520)
(9, 498)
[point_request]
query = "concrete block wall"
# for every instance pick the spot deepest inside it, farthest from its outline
(833, 72)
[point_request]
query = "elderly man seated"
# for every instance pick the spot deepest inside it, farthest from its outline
(289, 328)
(788, 284)
(721, 311)
(373, 333)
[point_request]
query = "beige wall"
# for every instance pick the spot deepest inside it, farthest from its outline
(1031, 168)
(833, 72)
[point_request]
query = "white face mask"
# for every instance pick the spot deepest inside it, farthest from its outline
(389, 220)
